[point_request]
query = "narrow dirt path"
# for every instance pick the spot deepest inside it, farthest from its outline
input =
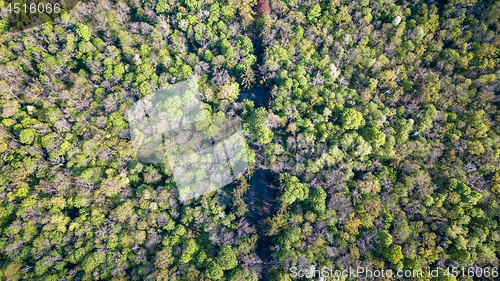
(260, 201)
(260, 198)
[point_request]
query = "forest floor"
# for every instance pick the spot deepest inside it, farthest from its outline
(258, 95)
(259, 196)
(260, 201)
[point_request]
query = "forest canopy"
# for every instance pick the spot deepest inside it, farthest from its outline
(372, 131)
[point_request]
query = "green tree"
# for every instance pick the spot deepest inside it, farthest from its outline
(190, 247)
(294, 189)
(256, 125)
(393, 253)
(214, 271)
(425, 123)
(431, 89)
(247, 78)
(314, 13)
(27, 136)
(164, 259)
(351, 119)
(343, 15)
(316, 200)
(403, 128)
(83, 32)
(227, 258)
(385, 238)
(495, 187)
(376, 137)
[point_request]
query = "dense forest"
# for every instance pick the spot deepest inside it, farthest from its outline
(373, 132)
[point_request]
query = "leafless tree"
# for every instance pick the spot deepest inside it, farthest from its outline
(342, 205)
(243, 228)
